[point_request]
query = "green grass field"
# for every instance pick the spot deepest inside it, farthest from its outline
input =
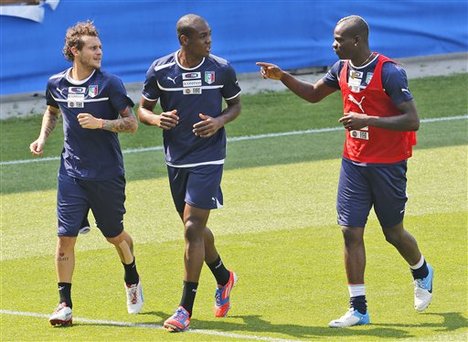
(277, 231)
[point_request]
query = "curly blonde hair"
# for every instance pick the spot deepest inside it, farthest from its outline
(74, 34)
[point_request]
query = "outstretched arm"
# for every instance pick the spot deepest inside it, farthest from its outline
(208, 125)
(308, 91)
(127, 122)
(49, 121)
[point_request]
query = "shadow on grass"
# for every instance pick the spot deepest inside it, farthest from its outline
(254, 324)
(452, 321)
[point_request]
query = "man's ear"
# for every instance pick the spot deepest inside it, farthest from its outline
(357, 40)
(74, 51)
(183, 40)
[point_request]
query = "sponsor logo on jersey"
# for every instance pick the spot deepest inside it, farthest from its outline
(76, 90)
(191, 75)
(195, 83)
(209, 77)
(192, 91)
(354, 84)
(172, 79)
(75, 100)
(355, 74)
(93, 90)
(356, 102)
(363, 135)
(61, 91)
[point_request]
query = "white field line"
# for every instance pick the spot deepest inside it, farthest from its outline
(248, 137)
(149, 326)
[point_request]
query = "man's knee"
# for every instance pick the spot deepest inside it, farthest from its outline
(352, 236)
(394, 235)
(66, 243)
(122, 237)
(194, 230)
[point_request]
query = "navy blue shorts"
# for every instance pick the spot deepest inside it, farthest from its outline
(361, 187)
(105, 198)
(198, 186)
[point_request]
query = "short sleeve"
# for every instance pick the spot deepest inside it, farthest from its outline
(151, 90)
(231, 87)
(118, 95)
(332, 77)
(395, 83)
(49, 98)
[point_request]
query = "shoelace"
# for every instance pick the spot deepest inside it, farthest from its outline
(133, 294)
(219, 295)
(347, 314)
(420, 283)
(180, 315)
(60, 307)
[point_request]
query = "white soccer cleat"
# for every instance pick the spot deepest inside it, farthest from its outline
(134, 297)
(61, 316)
(423, 291)
(350, 318)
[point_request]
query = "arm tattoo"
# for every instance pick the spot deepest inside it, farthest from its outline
(49, 122)
(126, 123)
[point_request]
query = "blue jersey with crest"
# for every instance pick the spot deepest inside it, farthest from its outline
(191, 91)
(91, 154)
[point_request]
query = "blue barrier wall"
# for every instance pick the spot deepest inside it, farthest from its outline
(293, 34)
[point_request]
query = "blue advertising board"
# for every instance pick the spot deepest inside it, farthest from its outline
(293, 34)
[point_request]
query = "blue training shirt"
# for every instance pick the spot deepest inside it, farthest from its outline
(191, 91)
(394, 80)
(91, 154)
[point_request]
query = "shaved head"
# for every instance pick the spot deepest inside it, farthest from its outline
(187, 24)
(354, 25)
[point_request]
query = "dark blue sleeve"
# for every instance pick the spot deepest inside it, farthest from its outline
(230, 85)
(118, 95)
(395, 83)
(49, 99)
(332, 78)
(151, 90)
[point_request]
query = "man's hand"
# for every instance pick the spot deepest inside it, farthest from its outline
(207, 127)
(167, 120)
(88, 121)
(268, 70)
(37, 147)
(354, 121)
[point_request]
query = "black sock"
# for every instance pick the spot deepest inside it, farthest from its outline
(131, 274)
(65, 293)
(219, 271)
(359, 303)
(188, 296)
(421, 272)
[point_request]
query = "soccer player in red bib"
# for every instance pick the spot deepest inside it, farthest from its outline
(380, 119)
(95, 108)
(192, 85)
